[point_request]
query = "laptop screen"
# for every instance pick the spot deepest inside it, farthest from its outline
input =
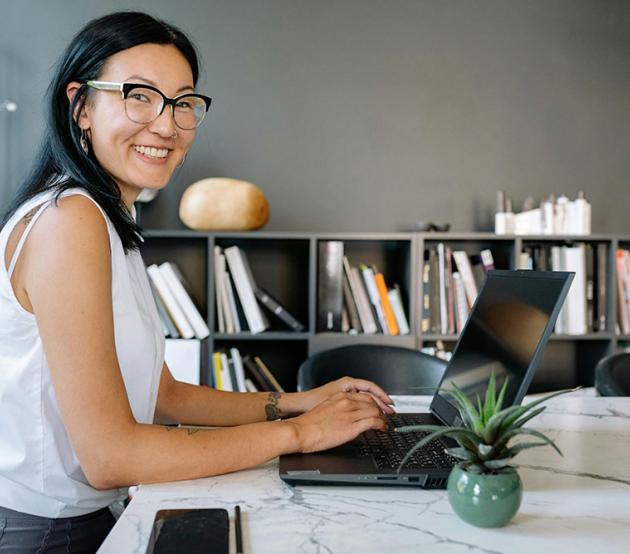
(507, 329)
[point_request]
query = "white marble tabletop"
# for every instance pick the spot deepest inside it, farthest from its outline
(579, 503)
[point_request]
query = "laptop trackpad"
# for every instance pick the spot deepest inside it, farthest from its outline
(341, 459)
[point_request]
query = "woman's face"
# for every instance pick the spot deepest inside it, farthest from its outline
(116, 140)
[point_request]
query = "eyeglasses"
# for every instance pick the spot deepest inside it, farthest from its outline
(144, 103)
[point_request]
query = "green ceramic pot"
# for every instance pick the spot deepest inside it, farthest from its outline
(485, 500)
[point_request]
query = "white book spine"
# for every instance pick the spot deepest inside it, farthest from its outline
(179, 318)
(461, 302)
(226, 378)
(245, 292)
(370, 285)
(576, 298)
(249, 386)
(225, 298)
(465, 270)
(238, 369)
(184, 300)
(218, 288)
(399, 311)
(231, 302)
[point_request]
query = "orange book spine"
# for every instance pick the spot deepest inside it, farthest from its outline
(387, 307)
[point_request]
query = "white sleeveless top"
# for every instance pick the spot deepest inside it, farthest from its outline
(39, 470)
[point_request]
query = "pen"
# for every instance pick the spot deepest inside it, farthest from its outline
(239, 533)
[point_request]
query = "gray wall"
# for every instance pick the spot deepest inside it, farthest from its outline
(368, 115)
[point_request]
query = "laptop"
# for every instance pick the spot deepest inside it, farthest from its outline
(506, 332)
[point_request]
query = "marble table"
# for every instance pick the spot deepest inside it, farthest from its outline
(579, 503)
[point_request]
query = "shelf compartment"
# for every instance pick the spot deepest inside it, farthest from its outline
(281, 267)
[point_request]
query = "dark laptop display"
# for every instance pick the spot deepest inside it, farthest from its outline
(506, 332)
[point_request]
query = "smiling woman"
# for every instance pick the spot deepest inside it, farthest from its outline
(83, 383)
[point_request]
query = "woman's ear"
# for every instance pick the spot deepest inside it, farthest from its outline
(82, 119)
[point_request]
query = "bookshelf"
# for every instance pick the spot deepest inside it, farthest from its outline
(285, 264)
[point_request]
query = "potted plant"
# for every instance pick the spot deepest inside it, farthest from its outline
(484, 489)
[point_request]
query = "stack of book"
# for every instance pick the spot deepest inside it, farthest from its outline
(178, 313)
(622, 258)
(239, 299)
(450, 283)
(584, 310)
(233, 372)
(354, 299)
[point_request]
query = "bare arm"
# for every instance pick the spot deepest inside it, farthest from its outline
(67, 277)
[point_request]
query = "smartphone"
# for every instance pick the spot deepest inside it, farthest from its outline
(192, 531)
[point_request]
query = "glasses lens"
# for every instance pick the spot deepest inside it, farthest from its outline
(190, 111)
(143, 105)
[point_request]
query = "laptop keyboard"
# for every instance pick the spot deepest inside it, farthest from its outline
(388, 448)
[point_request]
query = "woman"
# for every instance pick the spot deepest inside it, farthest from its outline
(82, 372)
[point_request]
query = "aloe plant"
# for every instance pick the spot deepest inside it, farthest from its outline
(486, 431)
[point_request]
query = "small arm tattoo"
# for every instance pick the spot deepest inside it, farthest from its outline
(189, 430)
(271, 409)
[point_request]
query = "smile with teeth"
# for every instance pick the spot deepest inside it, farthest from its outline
(150, 152)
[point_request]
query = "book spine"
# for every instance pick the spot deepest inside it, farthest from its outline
(450, 300)
(174, 281)
(351, 307)
(226, 376)
(461, 302)
(268, 375)
(425, 322)
(179, 318)
(465, 270)
(329, 286)
(278, 310)
(576, 298)
(167, 322)
(370, 286)
(217, 381)
(367, 321)
(390, 319)
(590, 288)
(487, 260)
(233, 319)
(442, 289)
(218, 289)
(435, 292)
(238, 369)
(244, 289)
(399, 310)
(253, 371)
(602, 262)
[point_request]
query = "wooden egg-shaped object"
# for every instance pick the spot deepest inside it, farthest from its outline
(220, 204)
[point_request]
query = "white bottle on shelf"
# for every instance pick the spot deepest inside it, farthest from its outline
(582, 214)
(547, 210)
(561, 221)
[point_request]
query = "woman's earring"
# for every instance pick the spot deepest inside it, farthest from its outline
(84, 142)
(182, 162)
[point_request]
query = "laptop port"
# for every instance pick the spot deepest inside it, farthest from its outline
(387, 478)
(414, 479)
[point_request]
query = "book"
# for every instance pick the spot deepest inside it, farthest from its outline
(395, 299)
(167, 322)
(329, 285)
(217, 381)
(623, 291)
(238, 369)
(465, 270)
(390, 318)
(233, 324)
(226, 376)
(277, 309)
(174, 279)
(575, 260)
(590, 288)
(268, 375)
(425, 321)
(450, 301)
(350, 306)
(487, 260)
(435, 312)
(601, 286)
(175, 312)
(461, 302)
(442, 288)
(370, 286)
(253, 370)
(218, 288)
(557, 264)
(249, 386)
(243, 281)
(360, 297)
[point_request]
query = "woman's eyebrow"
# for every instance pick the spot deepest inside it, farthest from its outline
(186, 87)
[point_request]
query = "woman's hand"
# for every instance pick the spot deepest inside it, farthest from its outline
(338, 419)
(313, 397)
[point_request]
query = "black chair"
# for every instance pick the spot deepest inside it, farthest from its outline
(396, 370)
(612, 375)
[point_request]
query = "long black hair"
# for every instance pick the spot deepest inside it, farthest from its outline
(60, 152)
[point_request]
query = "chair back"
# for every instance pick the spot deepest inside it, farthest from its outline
(396, 370)
(612, 375)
